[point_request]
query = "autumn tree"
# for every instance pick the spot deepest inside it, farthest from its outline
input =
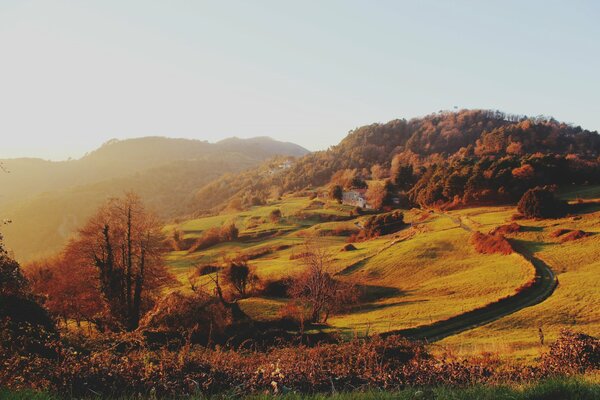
(316, 288)
(383, 224)
(402, 175)
(454, 185)
(380, 194)
(336, 193)
(379, 172)
(524, 172)
(540, 202)
(70, 292)
(347, 178)
(275, 215)
(239, 276)
(124, 242)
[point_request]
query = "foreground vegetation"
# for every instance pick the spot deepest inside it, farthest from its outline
(550, 389)
(125, 366)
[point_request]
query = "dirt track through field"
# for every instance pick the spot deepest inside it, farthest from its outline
(542, 287)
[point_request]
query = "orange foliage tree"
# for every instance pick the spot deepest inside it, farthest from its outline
(71, 291)
(124, 243)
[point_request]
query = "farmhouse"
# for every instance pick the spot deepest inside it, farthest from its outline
(356, 197)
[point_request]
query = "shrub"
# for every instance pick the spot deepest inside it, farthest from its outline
(336, 193)
(214, 236)
(198, 314)
(207, 269)
(209, 238)
(541, 203)
(276, 288)
(489, 244)
(559, 232)
(506, 229)
(275, 215)
(229, 232)
(383, 224)
(574, 235)
(349, 247)
(572, 353)
(239, 275)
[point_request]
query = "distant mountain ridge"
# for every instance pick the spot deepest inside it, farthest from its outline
(120, 158)
(47, 200)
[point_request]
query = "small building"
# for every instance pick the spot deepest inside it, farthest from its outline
(287, 164)
(356, 197)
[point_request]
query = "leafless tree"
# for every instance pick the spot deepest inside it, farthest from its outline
(317, 289)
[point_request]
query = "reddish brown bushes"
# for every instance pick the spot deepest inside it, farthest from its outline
(559, 232)
(572, 353)
(574, 235)
(506, 229)
(490, 244)
(123, 366)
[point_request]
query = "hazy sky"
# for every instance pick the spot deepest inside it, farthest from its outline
(74, 74)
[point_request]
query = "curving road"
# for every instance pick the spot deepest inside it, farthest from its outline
(543, 286)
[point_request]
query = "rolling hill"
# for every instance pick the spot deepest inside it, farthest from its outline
(48, 200)
(467, 142)
(426, 280)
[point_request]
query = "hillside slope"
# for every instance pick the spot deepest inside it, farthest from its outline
(467, 142)
(48, 200)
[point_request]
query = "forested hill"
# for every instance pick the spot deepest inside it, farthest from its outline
(467, 138)
(48, 200)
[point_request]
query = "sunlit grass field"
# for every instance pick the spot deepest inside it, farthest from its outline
(425, 273)
(418, 276)
(574, 305)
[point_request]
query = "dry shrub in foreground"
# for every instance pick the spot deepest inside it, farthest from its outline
(572, 353)
(123, 366)
(490, 244)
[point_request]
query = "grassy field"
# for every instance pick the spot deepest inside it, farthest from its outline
(575, 304)
(564, 389)
(431, 276)
(426, 273)
(421, 275)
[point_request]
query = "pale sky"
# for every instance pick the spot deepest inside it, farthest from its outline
(74, 74)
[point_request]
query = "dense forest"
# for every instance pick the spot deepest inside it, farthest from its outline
(467, 156)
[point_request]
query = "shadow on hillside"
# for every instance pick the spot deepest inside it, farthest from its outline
(371, 293)
(525, 228)
(380, 306)
(354, 267)
(585, 207)
(531, 246)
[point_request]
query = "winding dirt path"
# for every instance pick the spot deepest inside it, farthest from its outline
(541, 288)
